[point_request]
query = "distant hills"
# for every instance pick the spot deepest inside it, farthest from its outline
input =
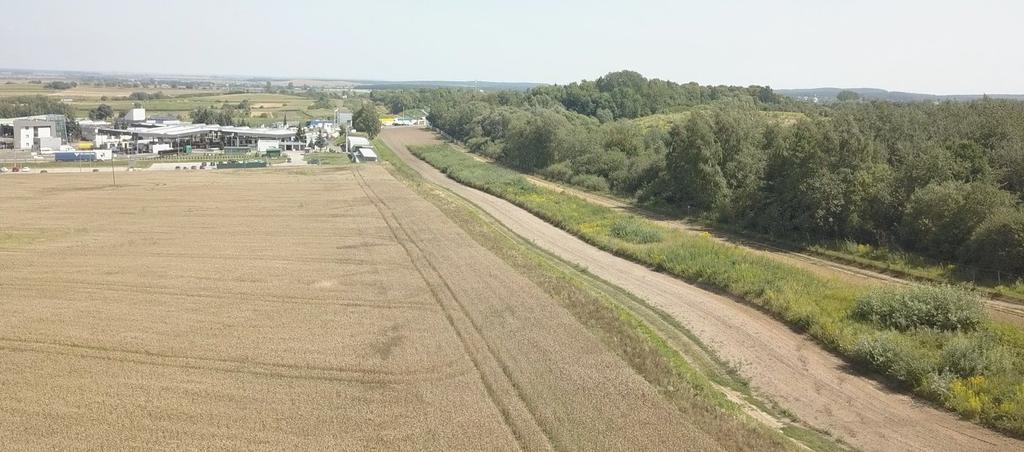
(829, 95)
(480, 85)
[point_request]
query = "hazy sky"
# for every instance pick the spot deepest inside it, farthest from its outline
(936, 46)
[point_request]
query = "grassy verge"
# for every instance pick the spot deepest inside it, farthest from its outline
(652, 343)
(925, 360)
(92, 164)
(890, 261)
(920, 268)
(329, 158)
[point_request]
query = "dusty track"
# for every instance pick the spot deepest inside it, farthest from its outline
(790, 368)
(291, 309)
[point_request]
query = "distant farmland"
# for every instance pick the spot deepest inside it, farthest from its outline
(265, 107)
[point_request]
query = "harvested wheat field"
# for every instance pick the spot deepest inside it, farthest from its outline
(296, 309)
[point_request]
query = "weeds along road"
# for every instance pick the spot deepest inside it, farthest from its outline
(788, 367)
(1002, 310)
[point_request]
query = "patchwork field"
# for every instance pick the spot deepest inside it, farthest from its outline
(313, 309)
(265, 108)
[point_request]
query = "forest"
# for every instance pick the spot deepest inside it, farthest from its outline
(939, 179)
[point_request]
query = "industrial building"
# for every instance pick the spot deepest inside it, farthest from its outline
(151, 138)
(343, 119)
(42, 133)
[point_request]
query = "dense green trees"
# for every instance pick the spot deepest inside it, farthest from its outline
(207, 115)
(943, 180)
(847, 95)
(366, 120)
(693, 165)
(141, 95)
(102, 112)
(60, 85)
(998, 241)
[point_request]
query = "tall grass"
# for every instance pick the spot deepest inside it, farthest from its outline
(940, 307)
(954, 366)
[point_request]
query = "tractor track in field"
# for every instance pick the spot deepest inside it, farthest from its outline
(492, 372)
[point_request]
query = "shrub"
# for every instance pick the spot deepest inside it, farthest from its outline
(561, 171)
(977, 354)
(589, 182)
(895, 355)
(944, 308)
(635, 231)
(940, 217)
(490, 150)
(474, 144)
(998, 242)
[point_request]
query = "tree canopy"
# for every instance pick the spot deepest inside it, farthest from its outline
(943, 180)
(367, 120)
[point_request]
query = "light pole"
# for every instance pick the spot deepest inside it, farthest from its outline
(113, 174)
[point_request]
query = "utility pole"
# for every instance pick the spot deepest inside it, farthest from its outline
(113, 174)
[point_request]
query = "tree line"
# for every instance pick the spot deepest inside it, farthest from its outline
(943, 180)
(11, 107)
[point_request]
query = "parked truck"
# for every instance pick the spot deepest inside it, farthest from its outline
(82, 156)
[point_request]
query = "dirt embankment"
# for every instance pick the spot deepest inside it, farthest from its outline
(788, 367)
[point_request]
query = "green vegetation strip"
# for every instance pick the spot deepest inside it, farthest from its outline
(970, 365)
(328, 158)
(661, 351)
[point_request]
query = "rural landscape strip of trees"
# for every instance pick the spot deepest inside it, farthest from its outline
(938, 180)
(941, 180)
(932, 340)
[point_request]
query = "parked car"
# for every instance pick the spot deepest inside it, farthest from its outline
(3, 169)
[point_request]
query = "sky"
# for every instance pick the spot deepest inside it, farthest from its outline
(938, 46)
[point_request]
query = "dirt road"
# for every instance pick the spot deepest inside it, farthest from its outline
(788, 367)
(299, 309)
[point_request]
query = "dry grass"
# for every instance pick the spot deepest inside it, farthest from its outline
(313, 309)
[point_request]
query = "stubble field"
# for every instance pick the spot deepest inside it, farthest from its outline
(312, 309)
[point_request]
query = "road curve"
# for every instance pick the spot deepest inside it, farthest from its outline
(786, 366)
